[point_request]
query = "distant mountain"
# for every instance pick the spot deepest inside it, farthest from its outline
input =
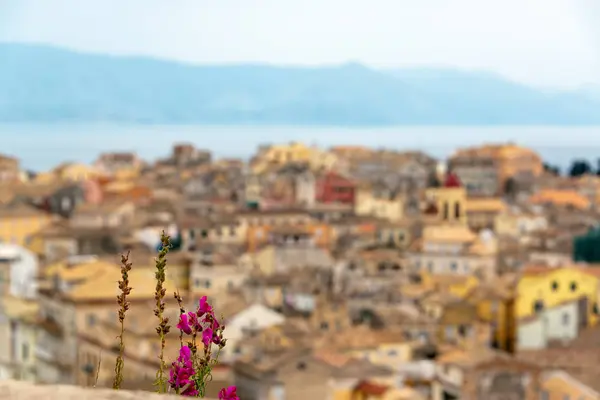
(46, 84)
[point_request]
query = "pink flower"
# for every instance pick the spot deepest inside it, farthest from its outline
(185, 354)
(228, 393)
(182, 374)
(204, 307)
(183, 324)
(194, 322)
(207, 337)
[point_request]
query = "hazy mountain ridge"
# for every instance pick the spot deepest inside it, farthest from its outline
(45, 84)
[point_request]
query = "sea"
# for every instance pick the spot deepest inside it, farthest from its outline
(42, 146)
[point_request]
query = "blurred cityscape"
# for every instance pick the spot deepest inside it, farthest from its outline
(342, 273)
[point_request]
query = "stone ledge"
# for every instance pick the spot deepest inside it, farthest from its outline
(15, 390)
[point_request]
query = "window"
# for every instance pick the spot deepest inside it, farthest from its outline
(401, 237)
(25, 351)
(573, 286)
(65, 204)
(463, 330)
(207, 284)
(392, 353)
(453, 267)
(595, 309)
(232, 231)
(204, 233)
(538, 306)
(554, 286)
(449, 333)
(494, 307)
(301, 366)
(446, 211)
(430, 266)
(196, 282)
(565, 319)
(278, 392)
(91, 319)
(324, 326)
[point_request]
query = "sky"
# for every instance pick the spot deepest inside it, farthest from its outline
(551, 43)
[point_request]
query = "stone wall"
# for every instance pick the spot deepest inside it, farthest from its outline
(14, 390)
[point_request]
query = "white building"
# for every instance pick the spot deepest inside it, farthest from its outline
(18, 271)
(256, 317)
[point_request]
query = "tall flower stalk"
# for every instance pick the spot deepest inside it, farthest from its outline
(123, 307)
(163, 322)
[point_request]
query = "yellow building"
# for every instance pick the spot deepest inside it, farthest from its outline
(510, 223)
(45, 178)
(542, 288)
(482, 212)
(76, 172)
(368, 204)
(398, 235)
(510, 160)
(495, 302)
(457, 285)
(19, 223)
(448, 203)
(278, 155)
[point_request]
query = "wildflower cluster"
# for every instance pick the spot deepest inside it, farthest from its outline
(192, 370)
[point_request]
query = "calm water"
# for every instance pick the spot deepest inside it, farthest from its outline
(42, 146)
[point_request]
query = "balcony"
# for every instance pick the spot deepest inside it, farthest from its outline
(42, 353)
(53, 351)
(51, 326)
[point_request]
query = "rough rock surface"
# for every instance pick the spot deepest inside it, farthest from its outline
(15, 390)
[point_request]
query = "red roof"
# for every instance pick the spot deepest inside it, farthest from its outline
(452, 181)
(371, 388)
(338, 179)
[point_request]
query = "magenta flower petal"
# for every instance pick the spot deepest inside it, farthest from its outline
(207, 337)
(229, 393)
(184, 325)
(203, 306)
(182, 372)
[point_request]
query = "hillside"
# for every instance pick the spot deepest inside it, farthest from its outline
(46, 84)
